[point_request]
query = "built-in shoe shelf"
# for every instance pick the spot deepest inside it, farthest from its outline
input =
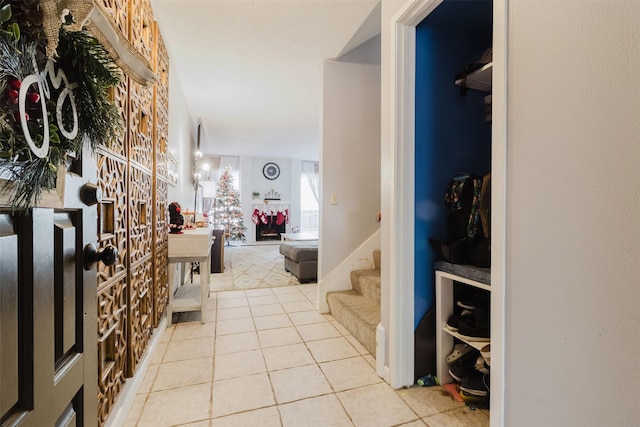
(446, 274)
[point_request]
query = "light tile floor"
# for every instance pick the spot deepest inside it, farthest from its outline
(265, 357)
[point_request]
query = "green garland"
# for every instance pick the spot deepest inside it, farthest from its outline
(90, 72)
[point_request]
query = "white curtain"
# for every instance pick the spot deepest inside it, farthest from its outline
(312, 171)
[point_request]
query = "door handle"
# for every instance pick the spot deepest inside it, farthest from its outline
(90, 194)
(108, 256)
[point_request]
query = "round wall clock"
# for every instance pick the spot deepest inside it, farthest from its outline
(271, 171)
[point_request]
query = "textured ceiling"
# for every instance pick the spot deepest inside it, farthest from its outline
(251, 70)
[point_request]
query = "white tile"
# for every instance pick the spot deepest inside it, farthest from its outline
(460, 417)
(241, 394)
(287, 356)
(258, 292)
(158, 355)
(295, 306)
(262, 300)
(229, 295)
(349, 373)
(267, 417)
(239, 364)
(189, 349)
(292, 297)
(340, 328)
(317, 331)
(232, 302)
(278, 337)
(234, 326)
(299, 383)
(306, 317)
(183, 373)
(236, 342)
(265, 310)
(427, 401)
(285, 290)
(315, 412)
(193, 330)
(272, 322)
(376, 405)
(149, 378)
(160, 409)
(356, 344)
(233, 313)
(331, 349)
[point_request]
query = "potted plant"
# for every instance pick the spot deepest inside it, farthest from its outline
(255, 195)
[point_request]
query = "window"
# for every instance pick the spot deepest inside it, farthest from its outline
(308, 203)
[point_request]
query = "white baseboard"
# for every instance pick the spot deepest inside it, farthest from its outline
(121, 408)
(380, 351)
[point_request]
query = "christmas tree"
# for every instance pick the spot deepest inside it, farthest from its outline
(227, 211)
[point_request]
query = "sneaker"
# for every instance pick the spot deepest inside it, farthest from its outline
(471, 332)
(455, 319)
(474, 384)
(464, 366)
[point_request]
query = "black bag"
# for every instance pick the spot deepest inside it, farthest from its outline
(463, 207)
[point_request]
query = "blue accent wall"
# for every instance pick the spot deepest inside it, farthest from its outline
(451, 134)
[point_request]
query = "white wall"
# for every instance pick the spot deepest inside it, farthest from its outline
(350, 154)
(181, 142)
(572, 283)
(287, 184)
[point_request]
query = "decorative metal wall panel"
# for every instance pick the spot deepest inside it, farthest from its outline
(140, 215)
(112, 214)
(161, 106)
(161, 282)
(140, 311)
(162, 213)
(118, 12)
(120, 96)
(141, 27)
(112, 345)
(141, 125)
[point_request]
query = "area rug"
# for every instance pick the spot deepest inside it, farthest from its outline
(250, 267)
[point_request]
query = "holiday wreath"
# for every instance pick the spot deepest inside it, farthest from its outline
(52, 104)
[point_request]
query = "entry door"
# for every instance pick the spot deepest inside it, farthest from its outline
(48, 329)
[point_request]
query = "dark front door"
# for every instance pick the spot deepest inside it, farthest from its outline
(48, 329)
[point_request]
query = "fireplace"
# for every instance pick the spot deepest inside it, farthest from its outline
(270, 230)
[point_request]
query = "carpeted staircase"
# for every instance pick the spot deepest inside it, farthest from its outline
(358, 309)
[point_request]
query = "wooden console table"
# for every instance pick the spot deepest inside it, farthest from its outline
(191, 246)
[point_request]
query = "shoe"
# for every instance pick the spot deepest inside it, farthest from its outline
(459, 350)
(477, 401)
(474, 384)
(459, 371)
(470, 331)
(481, 365)
(486, 353)
(455, 319)
(476, 328)
(467, 303)
(464, 366)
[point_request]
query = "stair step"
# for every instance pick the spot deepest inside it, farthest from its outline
(358, 314)
(377, 256)
(355, 276)
(370, 287)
